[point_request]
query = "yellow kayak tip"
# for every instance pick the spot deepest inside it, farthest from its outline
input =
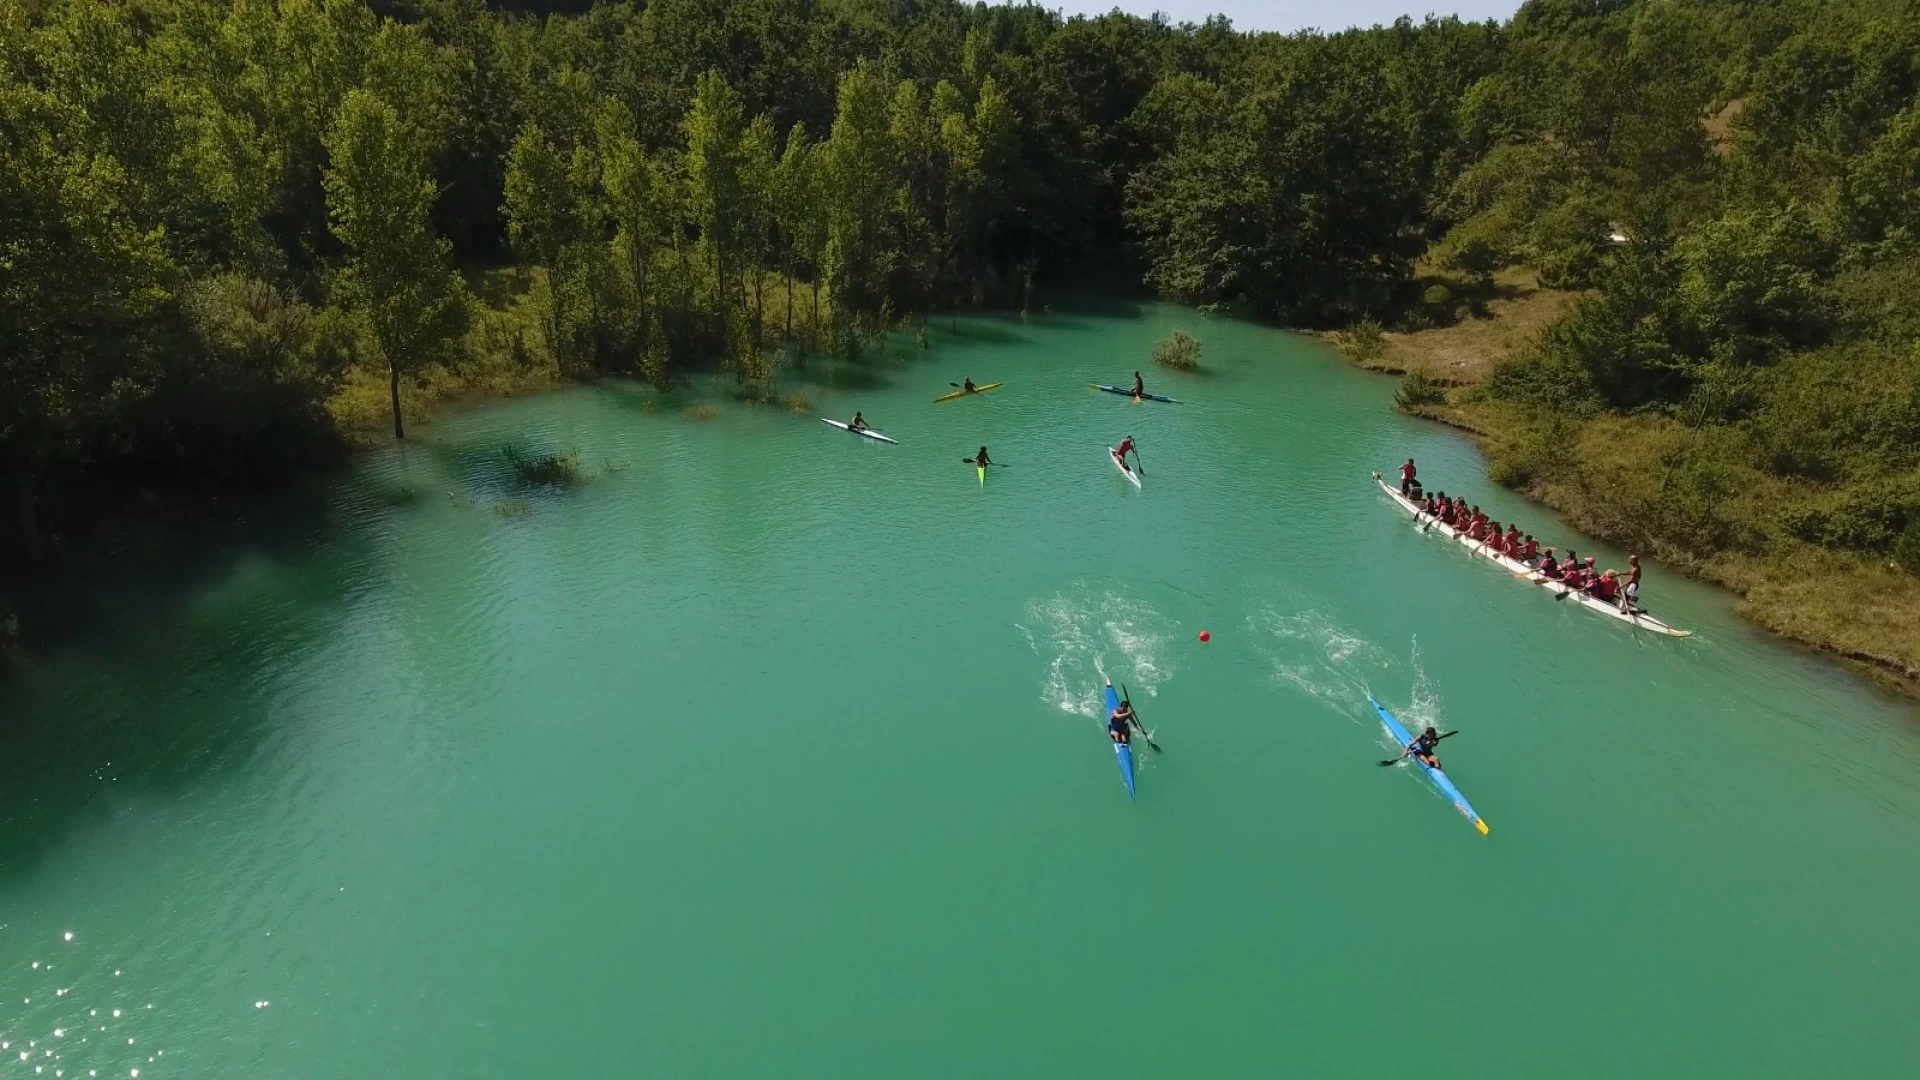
(1481, 825)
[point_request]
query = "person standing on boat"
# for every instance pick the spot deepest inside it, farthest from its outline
(1120, 452)
(1139, 387)
(1407, 473)
(1630, 596)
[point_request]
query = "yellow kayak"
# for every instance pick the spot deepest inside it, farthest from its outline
(964, 393)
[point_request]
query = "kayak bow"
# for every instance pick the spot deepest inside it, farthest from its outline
(1439, 778)
(964, 393)
(982, 469)
(1127, 391)
(1121, 750)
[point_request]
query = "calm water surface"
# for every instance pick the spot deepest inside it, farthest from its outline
(776, 752)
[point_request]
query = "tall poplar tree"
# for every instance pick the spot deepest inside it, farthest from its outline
(378, 201)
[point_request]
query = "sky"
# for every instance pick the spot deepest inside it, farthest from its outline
(1287, 16)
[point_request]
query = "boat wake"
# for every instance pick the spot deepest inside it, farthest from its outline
(1091, 633)
(1306, 650)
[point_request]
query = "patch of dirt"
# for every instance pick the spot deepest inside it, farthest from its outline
(1462, 353)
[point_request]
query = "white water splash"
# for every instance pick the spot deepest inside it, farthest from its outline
(1309, 652)
(1088, 634)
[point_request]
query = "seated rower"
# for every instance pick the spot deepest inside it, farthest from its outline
(1549, 569)
(966, 387)
(858, 423)
(1528, 549)
(1605, 588)
(1513, 540)
(1422, 747)
(1121, 721)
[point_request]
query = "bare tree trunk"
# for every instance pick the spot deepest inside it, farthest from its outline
(393, 387)
(789, 298)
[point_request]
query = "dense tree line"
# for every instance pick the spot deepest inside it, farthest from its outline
(214, 212)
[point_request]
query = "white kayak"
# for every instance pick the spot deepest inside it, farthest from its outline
(1477, 547)
(1120, 463)
(868, 432)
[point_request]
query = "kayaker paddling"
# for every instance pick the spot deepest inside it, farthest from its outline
(1428, 763)
(1121, 723)
(966, 386)
(981, 459)
(858, 423)
(1422, 747)
(1126, 446)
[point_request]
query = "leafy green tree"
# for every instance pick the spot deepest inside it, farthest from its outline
(379, 199)
(800, 213)
(78, 277)
(639, 202)
(714, 126)
(858, 165)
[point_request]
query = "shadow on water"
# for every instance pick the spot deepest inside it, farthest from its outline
(1090, 304)
(977, 329)
(149, 662)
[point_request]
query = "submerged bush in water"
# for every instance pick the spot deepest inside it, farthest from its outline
(544, 468)
(1180, 351)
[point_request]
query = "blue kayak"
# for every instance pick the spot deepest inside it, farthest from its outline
(1439, 778)
(1127, 391)
(1120, 749)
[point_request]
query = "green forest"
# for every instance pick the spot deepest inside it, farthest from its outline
(234, 231)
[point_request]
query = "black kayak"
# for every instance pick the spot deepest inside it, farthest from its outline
(1126, 392)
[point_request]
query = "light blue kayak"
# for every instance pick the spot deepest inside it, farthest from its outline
(1439, 778)
(1120, 749)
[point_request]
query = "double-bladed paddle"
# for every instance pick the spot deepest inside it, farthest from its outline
(1124, 696)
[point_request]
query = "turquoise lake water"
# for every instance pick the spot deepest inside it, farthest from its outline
(772, 751)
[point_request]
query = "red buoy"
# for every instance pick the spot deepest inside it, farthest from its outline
(1205, 636)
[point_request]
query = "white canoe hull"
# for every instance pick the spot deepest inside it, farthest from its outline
(1479, 547)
